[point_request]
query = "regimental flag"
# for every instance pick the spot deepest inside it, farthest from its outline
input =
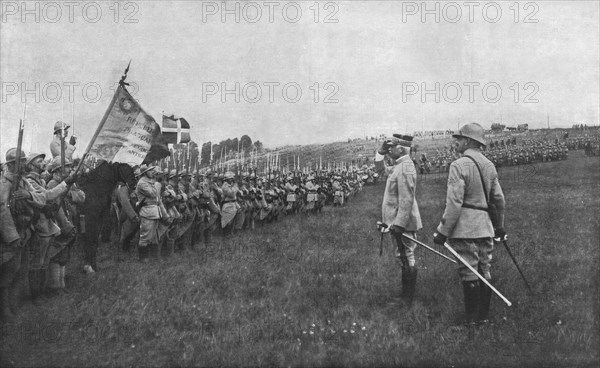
(126, 131)
(175, 130)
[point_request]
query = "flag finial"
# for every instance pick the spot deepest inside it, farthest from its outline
(122, 81)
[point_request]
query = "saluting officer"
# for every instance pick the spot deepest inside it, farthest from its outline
(399, 209)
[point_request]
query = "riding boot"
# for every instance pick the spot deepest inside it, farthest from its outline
(5, 312)
(485, 295)
(471, 293)
(409, 282)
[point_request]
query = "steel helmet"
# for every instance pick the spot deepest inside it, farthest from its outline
(59, 125)
(473, 131)
(11, 155)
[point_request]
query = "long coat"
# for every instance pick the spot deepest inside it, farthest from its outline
(45, 226)
(9, 229)
(399, 205)
(464, 187)
(149, 192)
(55, 148)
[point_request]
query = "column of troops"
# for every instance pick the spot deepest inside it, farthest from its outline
(530, 151)
(591, 145)
(166, 211)
(505, 154)
(38, 198)
(192, 207)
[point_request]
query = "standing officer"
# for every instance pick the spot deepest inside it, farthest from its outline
(466, 224)
(399, 209)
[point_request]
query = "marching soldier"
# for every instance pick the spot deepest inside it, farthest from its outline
(56, 141)
(400, 210)
(466, 223)
(17, 212)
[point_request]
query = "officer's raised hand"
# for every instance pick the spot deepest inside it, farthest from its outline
(385, 147)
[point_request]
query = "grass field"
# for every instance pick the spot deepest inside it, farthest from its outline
(313, 291)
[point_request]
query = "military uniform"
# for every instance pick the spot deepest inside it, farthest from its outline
(55, 145)
(230, 205)
(466, 223)
(148, 194)
(62, 243)
(42, 247)
(400, 211)
(15, 234)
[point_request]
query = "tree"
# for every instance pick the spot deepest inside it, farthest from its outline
(205, 154)
(498, 127)
(258, 145)
(246, 143)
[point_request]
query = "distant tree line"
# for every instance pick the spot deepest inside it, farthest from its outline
(228, 148)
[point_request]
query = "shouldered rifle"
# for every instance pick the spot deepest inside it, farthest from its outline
(17, 179)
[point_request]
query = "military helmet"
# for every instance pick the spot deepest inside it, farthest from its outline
(173, 174)
(33, 156)
(11, 155)
(473, 131)
(59, 125)
(145, 168)
(229, 175)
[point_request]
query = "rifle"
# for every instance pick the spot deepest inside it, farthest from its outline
(15, 183)
(62, 149)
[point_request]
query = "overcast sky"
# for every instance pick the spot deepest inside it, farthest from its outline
(367, 65)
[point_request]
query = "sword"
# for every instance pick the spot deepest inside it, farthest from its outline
(429, 248)
(516, 264)
(477, 274)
